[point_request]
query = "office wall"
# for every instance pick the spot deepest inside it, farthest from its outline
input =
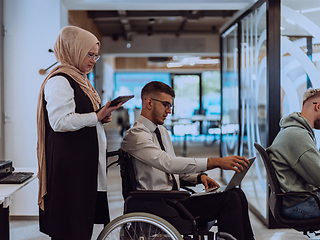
(163, 44)
(32, 27)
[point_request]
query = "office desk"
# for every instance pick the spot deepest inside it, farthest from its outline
(6, 195)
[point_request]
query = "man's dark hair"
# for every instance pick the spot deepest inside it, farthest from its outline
(156, 87)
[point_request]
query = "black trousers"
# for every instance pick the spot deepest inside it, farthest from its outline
(229, 208)
(101, 213)
(102, 209)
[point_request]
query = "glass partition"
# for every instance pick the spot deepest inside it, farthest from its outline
(253, 101)
(252, 74)
(230, 93)
(244, 99)
(300, 52)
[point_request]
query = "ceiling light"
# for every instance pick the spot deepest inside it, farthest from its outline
(174, 64)
(128, 45)
(208, 61)
(124, 20)
(151, 21)
(191, 61)
(175, 58)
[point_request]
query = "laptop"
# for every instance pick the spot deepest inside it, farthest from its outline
(235, 181)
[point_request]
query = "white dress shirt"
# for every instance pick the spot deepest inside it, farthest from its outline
(59, 96)
(152, 163)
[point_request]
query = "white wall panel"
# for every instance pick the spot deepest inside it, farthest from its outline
(32, 27)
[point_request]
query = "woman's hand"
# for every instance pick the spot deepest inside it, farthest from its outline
(107, 119)
(104, 114)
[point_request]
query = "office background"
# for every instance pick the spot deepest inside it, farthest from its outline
(268, 52)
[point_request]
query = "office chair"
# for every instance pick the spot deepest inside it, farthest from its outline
(153, 213)
(275, 200)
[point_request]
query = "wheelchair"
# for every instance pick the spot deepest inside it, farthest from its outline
(156, 215)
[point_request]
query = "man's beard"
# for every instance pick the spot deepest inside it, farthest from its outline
(156, 116)
(317, 123)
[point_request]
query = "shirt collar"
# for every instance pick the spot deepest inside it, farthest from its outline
(147, 123)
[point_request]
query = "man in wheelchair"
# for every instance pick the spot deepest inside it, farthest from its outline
(158, 168)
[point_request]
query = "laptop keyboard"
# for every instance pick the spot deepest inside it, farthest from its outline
(16, 178)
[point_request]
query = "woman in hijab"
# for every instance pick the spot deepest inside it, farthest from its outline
(72, 144)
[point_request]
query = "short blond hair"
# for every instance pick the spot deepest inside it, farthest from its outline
(311, 93)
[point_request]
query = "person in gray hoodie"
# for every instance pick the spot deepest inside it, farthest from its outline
(296, 158)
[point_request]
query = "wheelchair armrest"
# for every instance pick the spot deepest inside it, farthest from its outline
(184, 183)
(159, 194)
(311, 194)
(113, 153)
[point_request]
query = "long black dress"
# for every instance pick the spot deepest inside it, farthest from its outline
(72, 168)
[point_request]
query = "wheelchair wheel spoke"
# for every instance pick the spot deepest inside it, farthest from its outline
(139, 226)
(126, 232)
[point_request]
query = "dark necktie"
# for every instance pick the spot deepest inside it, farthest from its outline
(157, 131)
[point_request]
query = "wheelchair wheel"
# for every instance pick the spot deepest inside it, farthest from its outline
(139, 226)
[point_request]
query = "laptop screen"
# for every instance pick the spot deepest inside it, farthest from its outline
(238, 176)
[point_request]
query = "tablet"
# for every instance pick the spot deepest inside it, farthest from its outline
(119, 99)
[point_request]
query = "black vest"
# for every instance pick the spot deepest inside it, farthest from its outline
(72, 169)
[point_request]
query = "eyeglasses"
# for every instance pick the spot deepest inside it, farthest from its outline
(166, 104)
(93, 57)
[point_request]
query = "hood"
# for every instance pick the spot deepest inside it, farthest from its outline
(296, 120)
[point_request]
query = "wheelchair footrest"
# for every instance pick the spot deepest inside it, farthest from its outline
(205, 228)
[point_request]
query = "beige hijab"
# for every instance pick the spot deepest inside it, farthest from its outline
(70, 49)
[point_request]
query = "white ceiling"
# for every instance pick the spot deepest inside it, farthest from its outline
(157, 5)
(125, 20)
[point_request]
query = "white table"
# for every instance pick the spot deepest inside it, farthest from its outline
(6, 195)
